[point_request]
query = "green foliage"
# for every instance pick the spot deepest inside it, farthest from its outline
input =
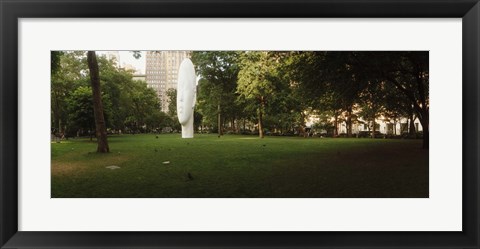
(258, 76)
(275, 90)
(172, 103)
(144, 101)
(80, 109)
(128, 104)
(137, 54)
(68, 73)
(377, 83)
(372, 101)
(217, 87)
(258, 80)
(207, 102)
(55, 61)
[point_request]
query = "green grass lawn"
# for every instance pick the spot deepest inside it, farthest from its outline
(240, 166)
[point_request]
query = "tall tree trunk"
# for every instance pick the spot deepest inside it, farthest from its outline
(100, 126)
(59, 126)
(260, 118)
(425, 138)
(374, 127)
(425, 122)
(395, 126)
(260, 125)
(335, 123)
(349, 121)
(412, 130)
(220, 130)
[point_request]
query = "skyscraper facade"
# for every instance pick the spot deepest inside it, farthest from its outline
(161, 72)
(115, 56)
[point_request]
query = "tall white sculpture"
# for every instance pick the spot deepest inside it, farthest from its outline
(186, 97)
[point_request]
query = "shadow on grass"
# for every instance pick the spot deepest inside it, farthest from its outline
(240, 167)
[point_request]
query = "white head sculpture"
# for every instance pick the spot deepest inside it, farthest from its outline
(186, 97)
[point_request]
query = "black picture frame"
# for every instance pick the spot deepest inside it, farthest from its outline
(11, 11)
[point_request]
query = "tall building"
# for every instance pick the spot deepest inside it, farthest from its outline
(161, 72)
(114, 55)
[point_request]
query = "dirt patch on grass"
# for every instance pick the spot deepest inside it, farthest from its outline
(68, 168)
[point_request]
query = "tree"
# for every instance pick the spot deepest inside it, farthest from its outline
(329, 82)
(338, 79)
(172, 109)
(372, 103)
(409, 73)
(172, 102)
(80, 110)
(397, 105)
(287, 108)
(144, 102)
(258, 81)
(345, 81)
(132, 100)
(207, 103)
(157, 120)
(217, 88)
(118, 85)
(55, 58)
(101, 130)
(66, 75)
(413, 81)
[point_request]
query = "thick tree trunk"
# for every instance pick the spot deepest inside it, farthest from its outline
(425, 138)
(260, 125)
(101, 129)
(424, 120)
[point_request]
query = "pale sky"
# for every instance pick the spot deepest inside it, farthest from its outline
(126, 57)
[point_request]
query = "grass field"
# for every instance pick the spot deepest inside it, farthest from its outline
(239, 166)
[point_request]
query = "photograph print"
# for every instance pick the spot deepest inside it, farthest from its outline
(239, 124)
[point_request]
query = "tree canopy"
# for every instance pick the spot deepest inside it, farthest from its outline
(260, 92)
(276, 91)
(128, 105)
